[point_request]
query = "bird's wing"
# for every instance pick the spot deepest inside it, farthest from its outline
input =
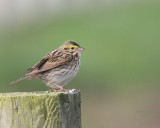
(51, 60)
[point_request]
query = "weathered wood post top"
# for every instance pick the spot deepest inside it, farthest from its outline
(40, 109)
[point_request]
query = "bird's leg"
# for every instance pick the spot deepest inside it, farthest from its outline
(58, 86)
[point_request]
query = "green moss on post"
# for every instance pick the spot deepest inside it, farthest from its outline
(40, 110)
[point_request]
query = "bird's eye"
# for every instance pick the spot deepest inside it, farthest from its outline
(72, 48)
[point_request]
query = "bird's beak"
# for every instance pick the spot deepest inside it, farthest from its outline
(80, 49)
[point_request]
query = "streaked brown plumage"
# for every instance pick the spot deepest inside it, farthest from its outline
(58, 67)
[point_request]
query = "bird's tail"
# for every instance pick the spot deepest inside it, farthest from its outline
(21, 78)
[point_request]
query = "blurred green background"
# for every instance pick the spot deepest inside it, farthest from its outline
(120, 69)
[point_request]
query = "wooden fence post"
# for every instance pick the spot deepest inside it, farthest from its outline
(40, 110)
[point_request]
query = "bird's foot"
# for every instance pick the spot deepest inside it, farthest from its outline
(53, 90)
(61, 90)
(58, 90)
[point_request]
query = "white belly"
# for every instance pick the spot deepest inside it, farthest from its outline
(61, 77)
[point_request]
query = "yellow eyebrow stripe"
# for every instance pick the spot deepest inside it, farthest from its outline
(75, 46)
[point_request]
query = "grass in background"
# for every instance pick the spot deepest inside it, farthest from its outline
(122, 55)
(122, 47)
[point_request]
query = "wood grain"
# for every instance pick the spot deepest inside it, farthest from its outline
(40, 110)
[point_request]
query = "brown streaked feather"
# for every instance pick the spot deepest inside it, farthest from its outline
(42, 62)
(21, 78)
(38, 65)
(52, 60)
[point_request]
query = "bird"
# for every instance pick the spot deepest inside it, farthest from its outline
(58, 67)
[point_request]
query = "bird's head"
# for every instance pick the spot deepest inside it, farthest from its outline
(71, 47)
